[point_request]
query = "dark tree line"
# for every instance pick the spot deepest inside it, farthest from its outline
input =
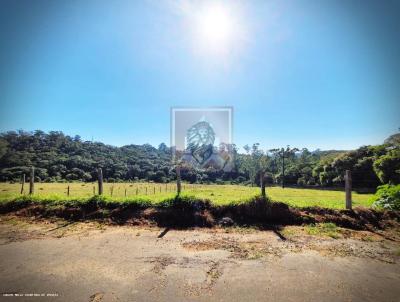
(58, 157)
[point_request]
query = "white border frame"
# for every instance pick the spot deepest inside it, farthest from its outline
(221, 108)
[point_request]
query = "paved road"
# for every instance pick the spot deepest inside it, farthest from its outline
(91, 262)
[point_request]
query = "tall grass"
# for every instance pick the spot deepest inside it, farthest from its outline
(163, 194)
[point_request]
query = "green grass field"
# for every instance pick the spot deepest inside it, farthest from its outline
(217, 194)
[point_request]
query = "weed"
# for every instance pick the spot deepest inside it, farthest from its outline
(288, 232)
(367, 238)
(323, 229)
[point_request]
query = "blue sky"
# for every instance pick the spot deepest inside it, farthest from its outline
(316, 74)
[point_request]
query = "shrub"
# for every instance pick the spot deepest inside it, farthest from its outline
(301, 182)
(311, 182)
(387, 197)
(219, 181)
(240, 179)
(387, 167)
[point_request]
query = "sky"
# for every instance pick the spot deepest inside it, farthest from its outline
(316, 74)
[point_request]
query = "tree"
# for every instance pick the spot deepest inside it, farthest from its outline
(163, 147)
(3, 147)
(387, 167)
(393, 140)
(255, 163)
(285, 157)
(58, 157)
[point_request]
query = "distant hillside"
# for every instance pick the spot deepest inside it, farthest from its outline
(59, 157)
(329, 153)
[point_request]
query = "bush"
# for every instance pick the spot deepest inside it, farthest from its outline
(240, 179)
(311, 182)
(387, 197)
(387, 167)
(301, 182)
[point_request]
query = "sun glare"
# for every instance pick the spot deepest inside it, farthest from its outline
(215, 24)
(216, 28)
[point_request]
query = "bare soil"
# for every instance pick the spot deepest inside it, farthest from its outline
(92, 261)
(202, 214)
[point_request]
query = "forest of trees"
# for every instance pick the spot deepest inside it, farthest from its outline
(58, 157)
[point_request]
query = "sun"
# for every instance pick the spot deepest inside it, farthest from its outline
(215, 24)
(215, 27)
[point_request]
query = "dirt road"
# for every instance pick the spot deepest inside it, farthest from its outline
(94, 262)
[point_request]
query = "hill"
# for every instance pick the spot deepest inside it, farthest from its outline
(58, 157)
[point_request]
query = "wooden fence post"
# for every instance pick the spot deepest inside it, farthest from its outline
(347, 179)
(137, 191)
(283, 168)
(262, 184)
(94, 190)
(100, 180)
(32, 181)
(22, 183)
(68, 191)
(112, 190)
(125, 192)
(178, 179)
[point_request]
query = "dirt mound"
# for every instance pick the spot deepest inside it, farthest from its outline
(182, 214)
(358, 218)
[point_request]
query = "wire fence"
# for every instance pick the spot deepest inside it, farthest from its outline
(90, 189)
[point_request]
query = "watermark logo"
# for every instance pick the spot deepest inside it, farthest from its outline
(202, 137)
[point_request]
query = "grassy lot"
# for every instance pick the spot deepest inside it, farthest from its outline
(217, 194)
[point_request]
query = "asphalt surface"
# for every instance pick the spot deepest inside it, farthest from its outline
(92, 262)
